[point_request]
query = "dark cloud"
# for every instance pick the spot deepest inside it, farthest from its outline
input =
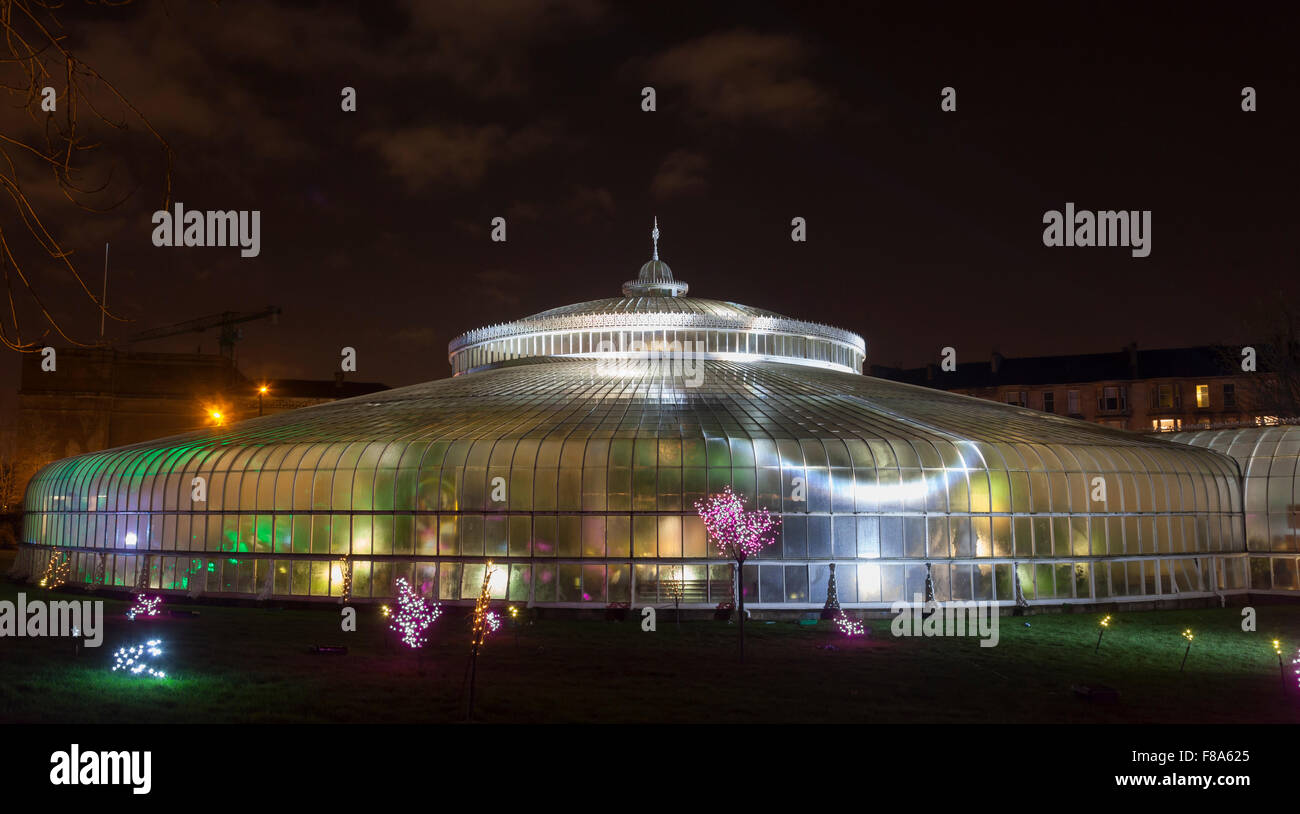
(486, 46)
(743, 76)
(587, 205)
(680, 173)
(417, 335)
(457, 155)
(501, 288)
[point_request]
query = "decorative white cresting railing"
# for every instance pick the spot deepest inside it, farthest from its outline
(657, 320)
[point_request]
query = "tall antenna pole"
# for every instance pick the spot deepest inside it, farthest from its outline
(103, 300)
(112, 361)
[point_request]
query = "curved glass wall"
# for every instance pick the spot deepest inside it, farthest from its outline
(579, 480)
(1267, 456)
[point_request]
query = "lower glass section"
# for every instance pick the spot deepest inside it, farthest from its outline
(578, 583)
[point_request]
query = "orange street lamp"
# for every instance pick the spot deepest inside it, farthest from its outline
(261, 391)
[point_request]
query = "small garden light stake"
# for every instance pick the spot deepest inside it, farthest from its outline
(1281, 670)
(1187, 634)
(1101, 631)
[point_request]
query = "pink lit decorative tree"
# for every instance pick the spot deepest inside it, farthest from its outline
(738, 534)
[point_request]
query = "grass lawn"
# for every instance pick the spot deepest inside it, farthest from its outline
(248, 665)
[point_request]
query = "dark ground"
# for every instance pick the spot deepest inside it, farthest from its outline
(243, 665)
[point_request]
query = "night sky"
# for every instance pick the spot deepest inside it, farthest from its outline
(924, 228)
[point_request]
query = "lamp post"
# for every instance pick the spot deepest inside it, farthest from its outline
(261, 391)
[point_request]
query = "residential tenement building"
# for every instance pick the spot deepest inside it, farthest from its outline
(1161, 390)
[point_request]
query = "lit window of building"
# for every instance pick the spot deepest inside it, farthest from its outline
(1202, 396)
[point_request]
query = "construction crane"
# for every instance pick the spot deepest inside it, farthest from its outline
(226, 321)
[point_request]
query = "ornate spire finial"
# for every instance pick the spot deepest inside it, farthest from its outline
(654, 235)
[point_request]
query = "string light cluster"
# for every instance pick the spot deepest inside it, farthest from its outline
(848, 625)
(134, 659)
(675, 586)
(413, 616)
(345, 566)
(483, 627)
(56, 570)
(485, 623)
(145, 606)
(142, 575)
(739, 534)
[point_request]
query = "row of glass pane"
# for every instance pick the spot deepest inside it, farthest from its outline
(570, 343)
(641, 536)
(305, 480)
(567, 582)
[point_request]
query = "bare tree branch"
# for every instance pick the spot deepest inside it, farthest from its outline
(36, 56)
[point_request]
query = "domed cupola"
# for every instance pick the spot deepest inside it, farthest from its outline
(655, 278)
(656, 317)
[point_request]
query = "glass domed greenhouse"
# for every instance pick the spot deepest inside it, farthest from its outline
(1267, 457)
(569, 448)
